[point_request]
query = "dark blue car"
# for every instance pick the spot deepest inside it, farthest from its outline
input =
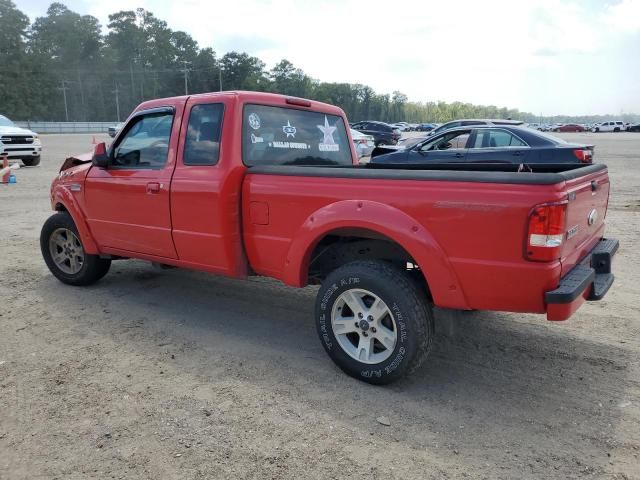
(487, 144)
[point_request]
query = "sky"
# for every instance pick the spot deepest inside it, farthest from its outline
(547, 57)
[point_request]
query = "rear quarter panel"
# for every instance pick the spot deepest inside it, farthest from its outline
(468, 238)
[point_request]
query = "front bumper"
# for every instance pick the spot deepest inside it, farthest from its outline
(21, 151)
(589, 280)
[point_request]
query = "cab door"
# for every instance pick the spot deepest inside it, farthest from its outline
(206, 186)
(127, 203)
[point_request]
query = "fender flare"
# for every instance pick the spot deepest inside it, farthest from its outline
(385, 220)
(62, 196)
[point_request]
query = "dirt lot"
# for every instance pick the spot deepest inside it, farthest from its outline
(180, 375)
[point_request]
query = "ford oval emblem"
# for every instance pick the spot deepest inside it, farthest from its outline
(593, 216)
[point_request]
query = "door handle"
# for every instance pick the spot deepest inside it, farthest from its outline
(153, 187)
(459, 155)
(517, 154)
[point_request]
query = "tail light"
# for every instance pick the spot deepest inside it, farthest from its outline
(584, 155)
(546, 232)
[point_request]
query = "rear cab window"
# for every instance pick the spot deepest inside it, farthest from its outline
(287, 136)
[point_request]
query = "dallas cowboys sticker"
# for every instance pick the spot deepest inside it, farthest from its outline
(289, 130)
(254, 121)
(328, 144)
(290, 145)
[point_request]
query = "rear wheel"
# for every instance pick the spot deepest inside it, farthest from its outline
(373, 321)
(617, 129)
(31, 162)
(64, 254)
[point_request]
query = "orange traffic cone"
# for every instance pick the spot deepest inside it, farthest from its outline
(5, 164)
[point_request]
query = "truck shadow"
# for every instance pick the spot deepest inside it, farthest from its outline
(516, 380)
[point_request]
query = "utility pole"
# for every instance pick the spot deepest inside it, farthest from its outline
(117, 91)
(64, 89)
(133, 85)
(220, 76)
(185, 70)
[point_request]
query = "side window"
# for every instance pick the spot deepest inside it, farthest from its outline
(145, 143)
(489, 138)
(202, 144)
(466, 123)
(448, 141)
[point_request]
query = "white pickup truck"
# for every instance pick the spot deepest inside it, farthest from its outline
(19, 143)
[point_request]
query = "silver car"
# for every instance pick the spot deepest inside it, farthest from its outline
(364, 143)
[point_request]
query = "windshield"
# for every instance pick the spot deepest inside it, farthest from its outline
(5, 122)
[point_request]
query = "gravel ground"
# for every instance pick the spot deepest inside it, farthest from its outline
(181, 375)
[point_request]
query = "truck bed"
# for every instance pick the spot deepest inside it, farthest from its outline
(465, 228)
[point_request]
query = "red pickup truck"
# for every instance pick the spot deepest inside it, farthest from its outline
(244, 183)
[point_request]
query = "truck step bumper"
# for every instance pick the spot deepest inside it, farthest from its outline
(590, 280)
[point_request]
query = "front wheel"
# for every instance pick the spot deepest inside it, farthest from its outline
(373, 321)
(64, 254)
(31, 162)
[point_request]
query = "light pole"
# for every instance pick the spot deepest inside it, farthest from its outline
(116, 91)
(185, 70)
(64, 89)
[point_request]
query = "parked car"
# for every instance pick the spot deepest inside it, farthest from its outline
(488, 144)
(19, 143)
(634, 127)
(609, 127)
(401, 126)
(364, 143)
(386, 245)
(425, 127)
(114, 129)
(382, 133)
(472, 122)
(569, 127)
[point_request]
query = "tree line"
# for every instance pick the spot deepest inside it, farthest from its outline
(62, 67)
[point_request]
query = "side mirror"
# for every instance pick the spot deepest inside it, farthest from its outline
(100, 158)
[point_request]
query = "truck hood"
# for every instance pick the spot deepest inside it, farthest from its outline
(77, 162)
(15, 131)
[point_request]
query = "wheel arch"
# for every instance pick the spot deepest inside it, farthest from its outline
(63, 201)
(369, 221)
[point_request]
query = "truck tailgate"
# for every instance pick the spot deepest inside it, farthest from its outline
(588, 197)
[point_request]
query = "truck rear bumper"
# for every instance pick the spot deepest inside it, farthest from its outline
(589, 280)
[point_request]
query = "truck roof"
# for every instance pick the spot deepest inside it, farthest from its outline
(251, 97)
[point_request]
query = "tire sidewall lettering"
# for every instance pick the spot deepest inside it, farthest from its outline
(325, 305)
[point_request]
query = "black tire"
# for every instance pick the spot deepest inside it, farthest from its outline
(597, 130)
(31, 162)
(412, 314)
(93, 267)
(381, 143)
(616, 130)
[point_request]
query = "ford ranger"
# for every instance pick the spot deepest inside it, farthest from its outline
(245, 183)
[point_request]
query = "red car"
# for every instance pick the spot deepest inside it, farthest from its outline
(242, 183)
(569, 127)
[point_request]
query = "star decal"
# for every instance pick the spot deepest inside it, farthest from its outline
(327, 131)
(289, 130)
